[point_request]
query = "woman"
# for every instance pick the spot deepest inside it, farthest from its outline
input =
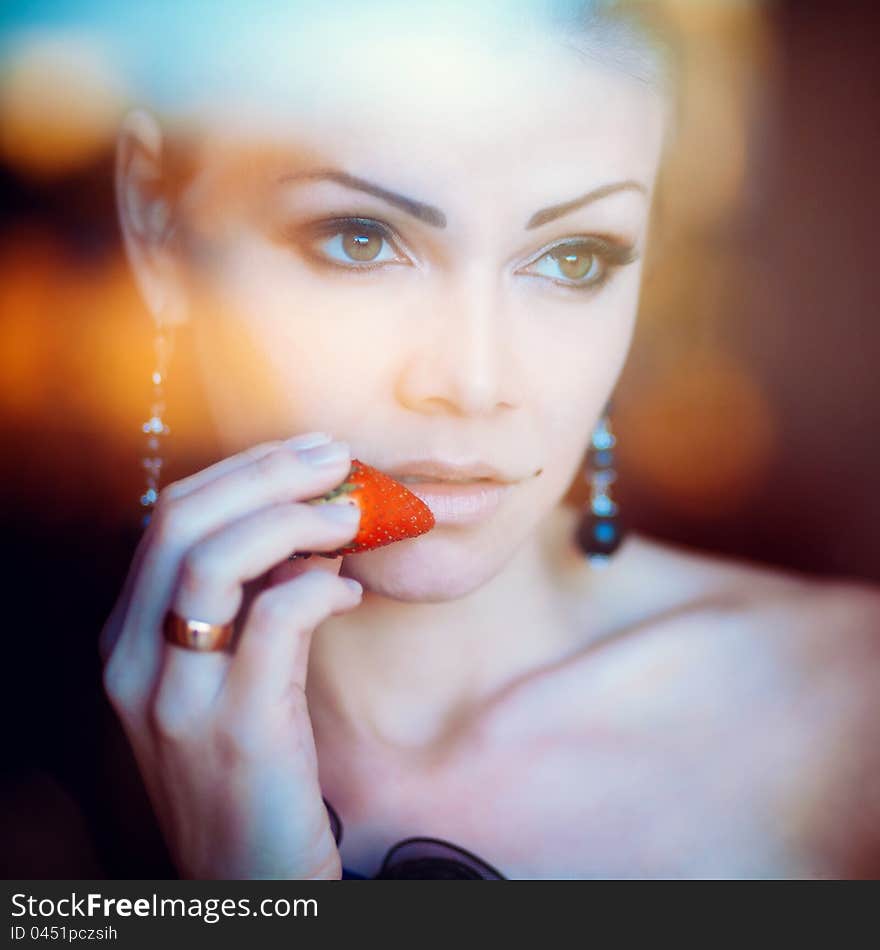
(429, 258)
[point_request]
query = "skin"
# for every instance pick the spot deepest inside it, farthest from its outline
(673, 715)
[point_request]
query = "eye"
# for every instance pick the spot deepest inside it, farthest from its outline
(582, 262)
(352, 243)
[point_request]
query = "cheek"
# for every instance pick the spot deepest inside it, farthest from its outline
(575, 352)
(304, 350)
(287, 310)
(312, 350)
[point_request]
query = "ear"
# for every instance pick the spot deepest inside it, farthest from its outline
(146, 217)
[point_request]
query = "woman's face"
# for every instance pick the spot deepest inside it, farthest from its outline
(415, 267)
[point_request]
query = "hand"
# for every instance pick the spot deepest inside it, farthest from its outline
(223, 740)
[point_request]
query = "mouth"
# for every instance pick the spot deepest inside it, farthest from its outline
(427, 480)
(459, 501)
(417, 471)
(457, 493)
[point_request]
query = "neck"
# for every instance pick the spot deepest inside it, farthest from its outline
(406, 674)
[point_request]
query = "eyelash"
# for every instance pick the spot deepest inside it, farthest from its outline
(307, 235)
(610, 252)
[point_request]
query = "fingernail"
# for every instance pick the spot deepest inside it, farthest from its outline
(308, 439)
(354, 585)
(341, 513)
(328, 454)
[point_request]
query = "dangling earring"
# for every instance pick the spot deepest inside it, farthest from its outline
(600, 534)
(155, 427)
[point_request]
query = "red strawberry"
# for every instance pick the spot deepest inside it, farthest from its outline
(389, 510)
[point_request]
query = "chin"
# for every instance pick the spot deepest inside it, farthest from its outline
(427, 570)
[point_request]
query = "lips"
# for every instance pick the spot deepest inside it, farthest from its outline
(439, 470)
(457, 492)
(460, 502)
(424, 479)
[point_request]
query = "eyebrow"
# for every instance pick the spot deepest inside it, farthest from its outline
(556, 211)
(427, 213)
(435, 217)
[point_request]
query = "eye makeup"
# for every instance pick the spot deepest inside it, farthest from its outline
(583, 262)
(347, 243)
(354, 244)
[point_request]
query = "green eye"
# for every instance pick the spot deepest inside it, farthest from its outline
(355, 243)
(574, 264)
(582, 263)
(358, 244)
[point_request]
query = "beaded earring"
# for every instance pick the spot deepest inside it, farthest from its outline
(155, 428)
(599, 534)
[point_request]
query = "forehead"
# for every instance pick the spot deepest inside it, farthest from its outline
(427, 106)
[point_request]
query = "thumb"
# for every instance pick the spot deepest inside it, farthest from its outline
(287, 570)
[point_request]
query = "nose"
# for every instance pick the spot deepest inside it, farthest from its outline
(466, 362)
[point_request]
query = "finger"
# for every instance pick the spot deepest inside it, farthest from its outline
(212, 578)
(285, 474)
(185, 486)
(282, 475)
(213, 571)
(113, 626)
(287, 569)
(269, 666)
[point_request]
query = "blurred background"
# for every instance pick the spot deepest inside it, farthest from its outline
(748, 414)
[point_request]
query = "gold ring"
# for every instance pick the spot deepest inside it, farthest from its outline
(196, 634)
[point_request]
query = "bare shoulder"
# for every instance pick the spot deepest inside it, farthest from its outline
(657, 596)
(665, 582)
(674, 634)
(663, 597)
(763, 682)
(821, 608)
